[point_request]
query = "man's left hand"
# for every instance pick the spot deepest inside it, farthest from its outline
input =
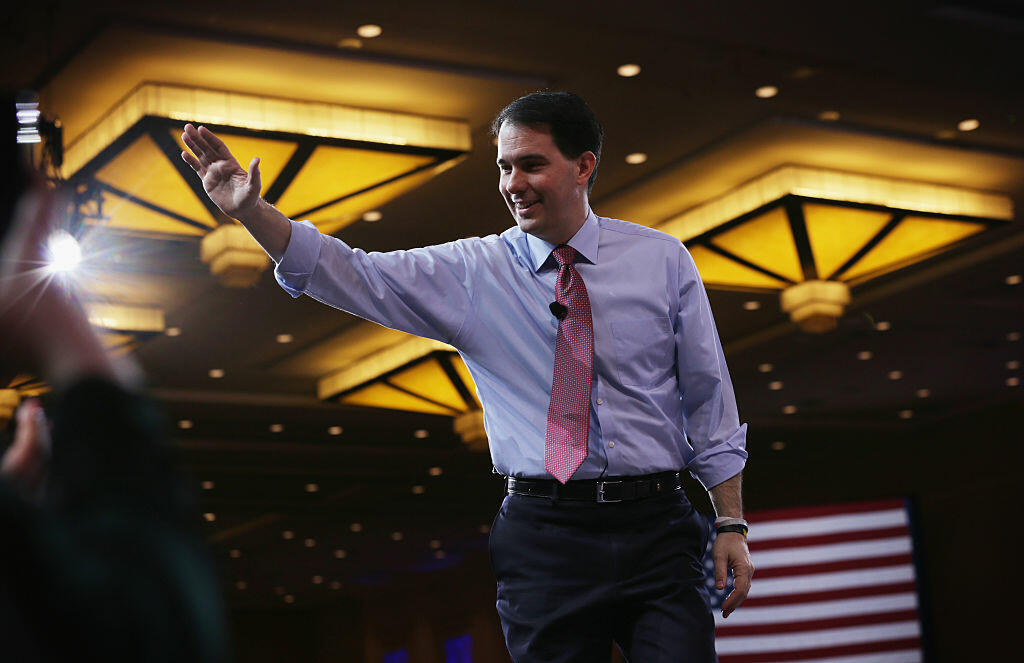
(730, 552)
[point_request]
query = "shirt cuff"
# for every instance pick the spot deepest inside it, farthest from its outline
(721, 462)
(299, 259)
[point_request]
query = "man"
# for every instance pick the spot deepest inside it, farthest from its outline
(100, 559)
(593, 350)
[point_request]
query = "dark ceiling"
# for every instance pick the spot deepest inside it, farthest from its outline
(910, 69)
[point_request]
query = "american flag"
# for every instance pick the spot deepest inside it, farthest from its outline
(832, 584)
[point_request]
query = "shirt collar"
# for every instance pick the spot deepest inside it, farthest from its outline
(585, 242)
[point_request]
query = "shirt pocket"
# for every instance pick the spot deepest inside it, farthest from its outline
(645, 349)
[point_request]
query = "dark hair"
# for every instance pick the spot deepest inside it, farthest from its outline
(573, 125)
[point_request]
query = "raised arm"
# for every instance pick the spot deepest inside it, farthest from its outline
(235, 191)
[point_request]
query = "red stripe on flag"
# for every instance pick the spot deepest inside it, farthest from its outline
(823, 539)
(822, 652)
(816, 624)
(827, 567)
(827, 510)
(830, 595)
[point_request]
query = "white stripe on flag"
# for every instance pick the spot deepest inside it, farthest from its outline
(847, 522)
(822, 582)
(899, 656)
(775, 614)
(832, 637)
(832, 552)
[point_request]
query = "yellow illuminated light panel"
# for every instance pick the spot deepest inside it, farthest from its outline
(833, 185)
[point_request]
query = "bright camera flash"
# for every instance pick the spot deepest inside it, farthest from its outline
(65, 253)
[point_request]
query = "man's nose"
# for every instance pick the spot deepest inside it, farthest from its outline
(515, 183)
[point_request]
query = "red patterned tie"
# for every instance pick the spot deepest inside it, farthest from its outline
(565, 441)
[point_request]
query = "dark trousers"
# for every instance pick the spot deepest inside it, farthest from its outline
(573, 577)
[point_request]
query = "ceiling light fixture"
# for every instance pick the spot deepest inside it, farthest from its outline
(1013, 279)
(372, 216)
(923, 393)
(369, 31)
(131, 158)
(173, 331)
(216, 373)
(628, 70)
(636, 158)
(284, 338)
(766, 91)
(775, 386)
(765, 368)
(828, 116)
(968, 125)
(751, 305)
(812, 234)
(276, 428)
(185, 424)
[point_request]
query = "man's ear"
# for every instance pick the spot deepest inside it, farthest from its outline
(585, 165)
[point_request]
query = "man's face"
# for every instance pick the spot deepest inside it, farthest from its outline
(545, 191)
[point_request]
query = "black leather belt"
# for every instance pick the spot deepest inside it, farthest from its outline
(612, 489)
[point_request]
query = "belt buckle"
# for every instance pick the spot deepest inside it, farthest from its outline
(600, 491)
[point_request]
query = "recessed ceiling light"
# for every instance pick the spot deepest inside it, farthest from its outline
(804, 72)
(775, 386)
(418, 490)
(216, 373)
(340, 554)
(789, 409)
(335, 584)
(312, 487)
(1013, 279)
(350, 42)
(173, 331)
(945, 134)
(356, 527)
(287, 535)
(636, 158)
(434, 471)
(435, 544)
(628, 70)
(864, 355)
(1012, 365)
(766, 91)
(968, 125)
(185, 424)
(751, 305)
(279, 590)
(335, 430)
(883, 325)
(309, 543)
(1013, 336)
(765, 368)
(207, 485)
(373, 216)
(369, 31)
(209, 517)
(828, 116)
(288, 598)
(396, 536)
(778, 446)
(276, 428)
(421, 434)
(235, 553)
(241, 584)
(284, 338)
(484, 529)
(895, 375)
(440, 554)
(317, 580)
(1013, 382)
(906, 414)
(924, 393)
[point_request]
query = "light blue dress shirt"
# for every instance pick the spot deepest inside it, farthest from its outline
(662, 398)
